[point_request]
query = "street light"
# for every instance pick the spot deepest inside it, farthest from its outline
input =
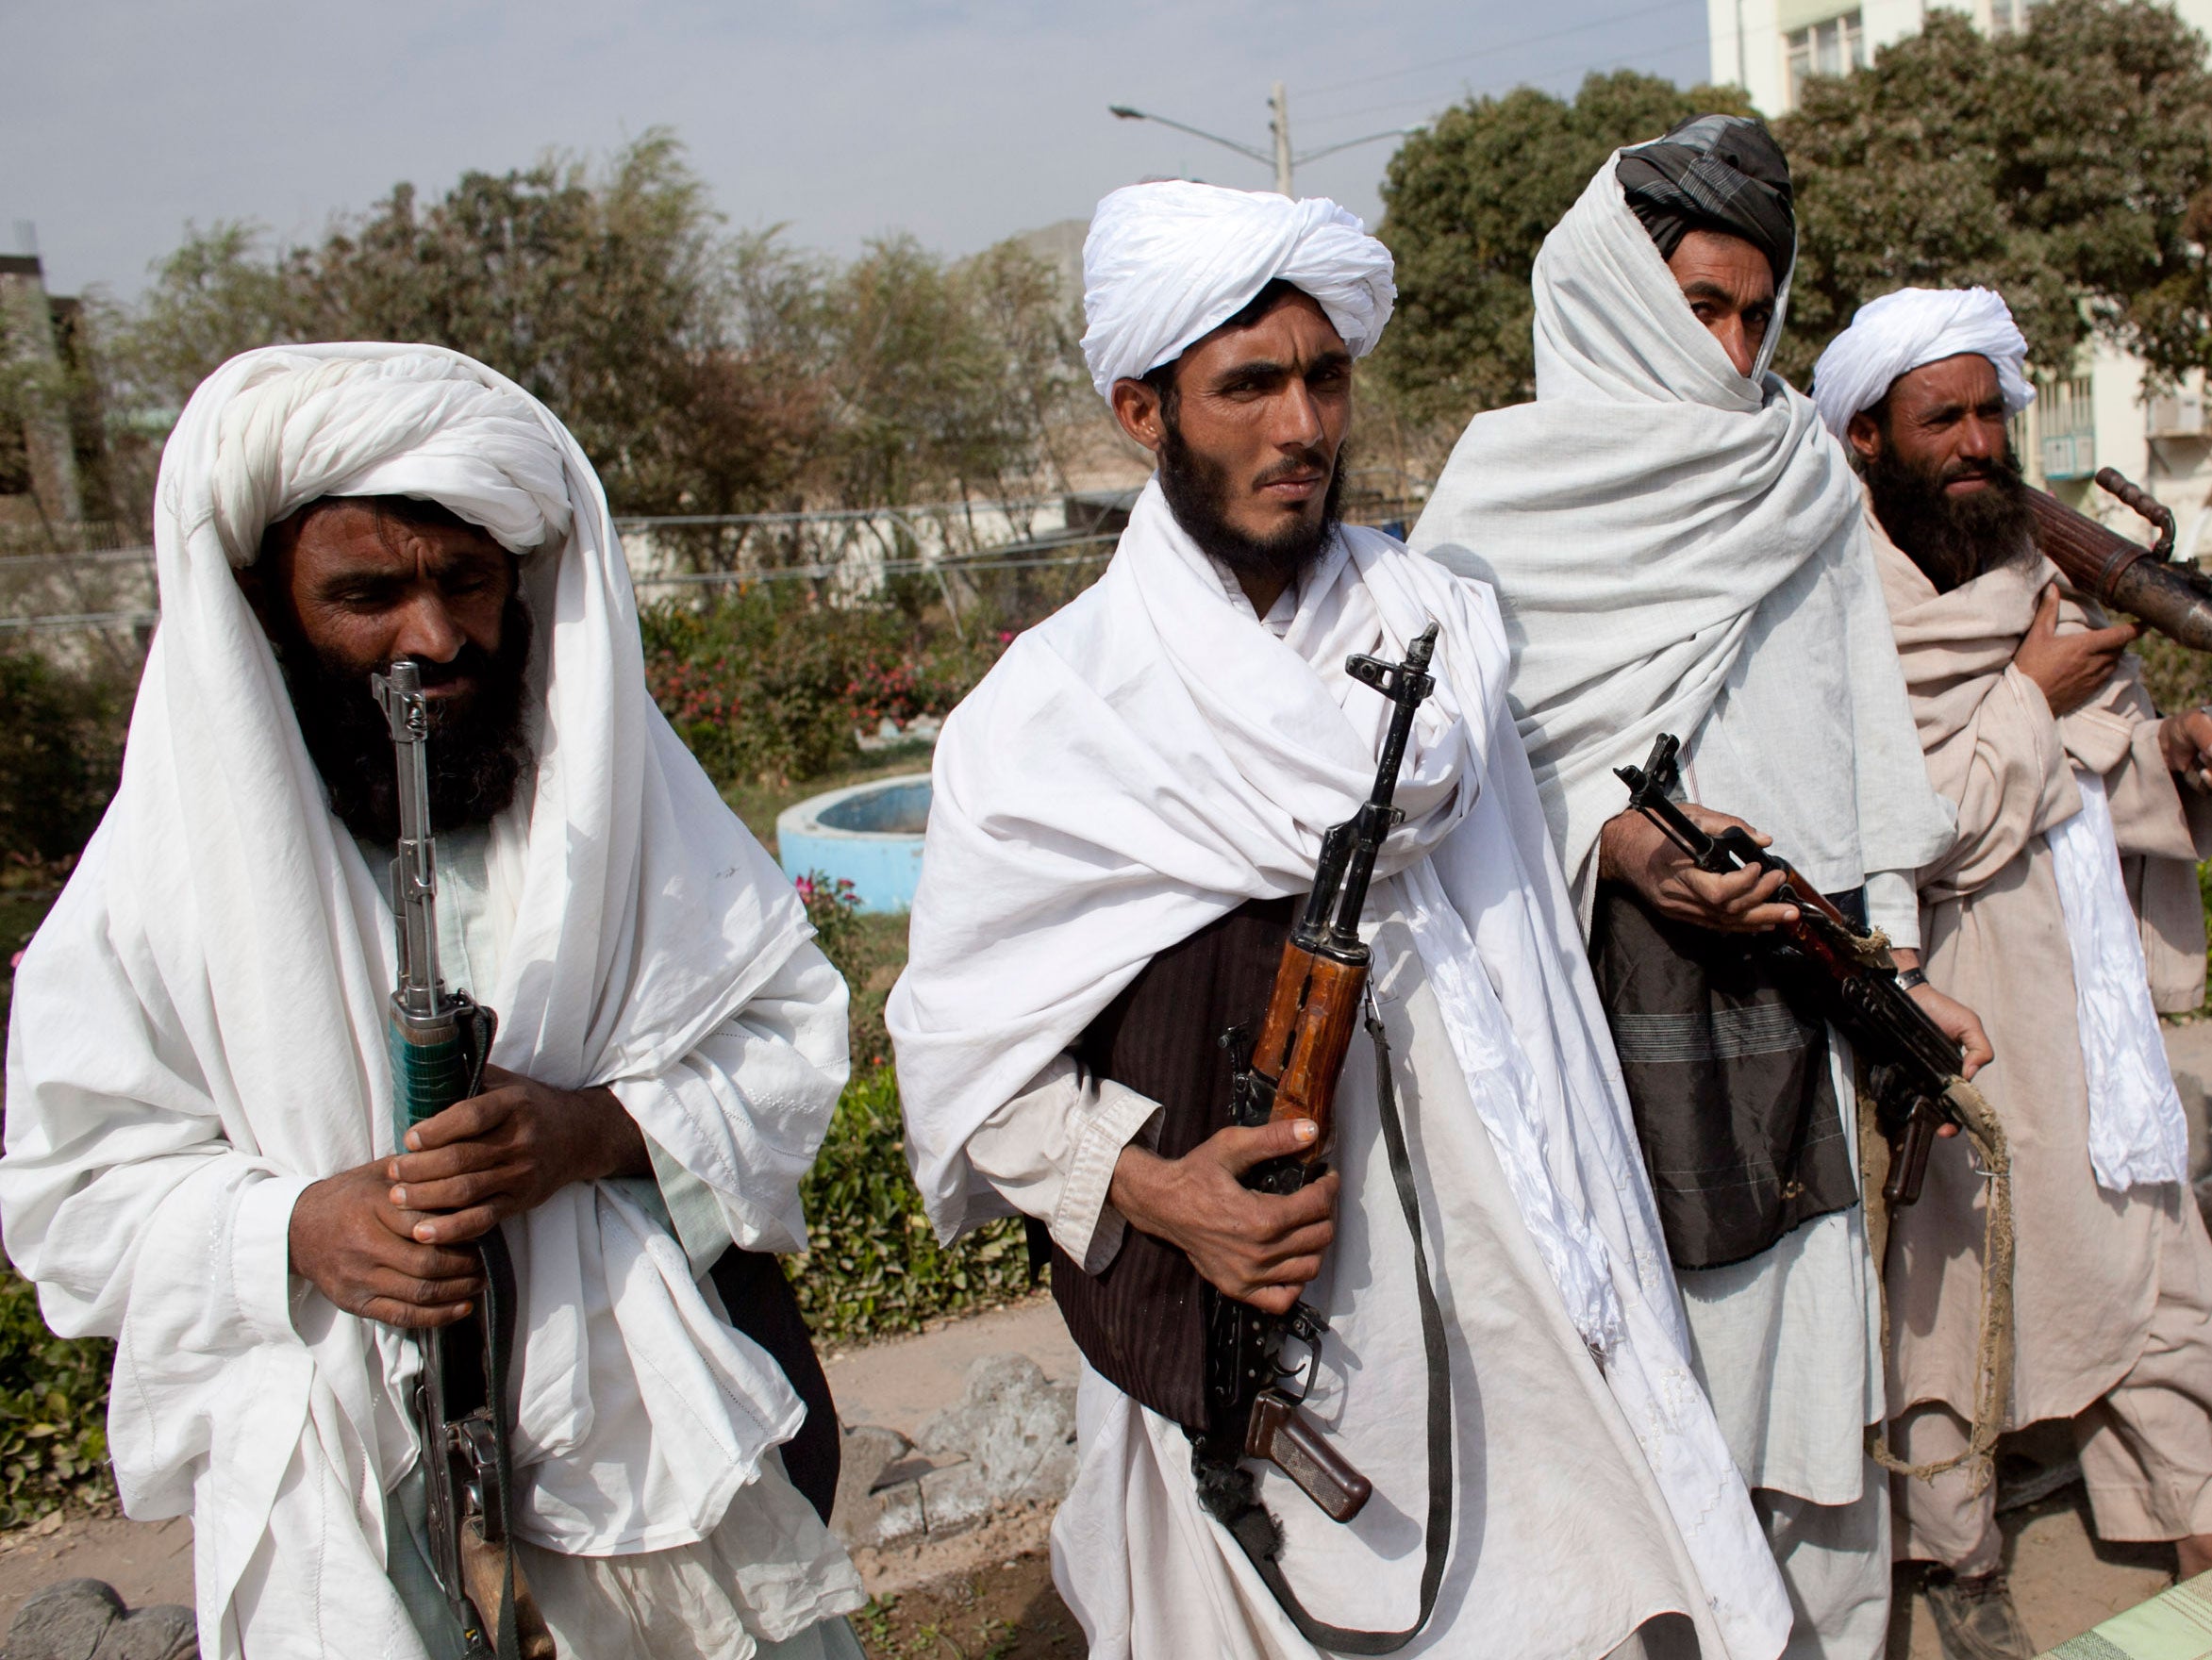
(1282, 161)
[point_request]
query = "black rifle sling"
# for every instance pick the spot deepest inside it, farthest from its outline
(1257, 1532)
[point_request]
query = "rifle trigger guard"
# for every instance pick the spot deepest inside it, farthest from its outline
(1308, 1324)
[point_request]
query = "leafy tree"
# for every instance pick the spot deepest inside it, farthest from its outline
(703, 371)
(1468, 203)
(2068, 166)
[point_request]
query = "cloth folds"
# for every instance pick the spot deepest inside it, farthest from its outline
(1167, 263)
(199, 1026)
(2139, 1131)
(1909, 329)
(1140, 764)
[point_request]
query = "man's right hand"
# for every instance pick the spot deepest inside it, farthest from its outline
(357, 1248)
(1259, 1248)
(2071, 668)
(1634, 849)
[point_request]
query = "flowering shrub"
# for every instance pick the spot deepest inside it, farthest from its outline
(834, 909)
(774, 695)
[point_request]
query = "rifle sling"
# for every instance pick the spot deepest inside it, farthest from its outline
(1233, 1490)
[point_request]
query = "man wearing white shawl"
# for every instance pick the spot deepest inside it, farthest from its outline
(199, 1153)
(2067, 910)
(1677, 545)
(1146, 775)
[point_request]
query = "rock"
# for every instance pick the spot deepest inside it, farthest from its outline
(857, 1517)
(1011, 1438)
(162, 1631)
(85, 1620)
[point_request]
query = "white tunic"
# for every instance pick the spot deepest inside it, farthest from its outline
(1141, 763)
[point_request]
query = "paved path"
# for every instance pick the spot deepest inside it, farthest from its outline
(899, 1382)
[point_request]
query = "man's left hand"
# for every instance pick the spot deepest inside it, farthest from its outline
(2186, 741)
(1960, 1024)
(508, 1151)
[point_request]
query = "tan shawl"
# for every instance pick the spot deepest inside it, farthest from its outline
(1995, 938)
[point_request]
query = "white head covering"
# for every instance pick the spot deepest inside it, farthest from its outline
(1165, 264)
(1901, 332)
(199, 1026)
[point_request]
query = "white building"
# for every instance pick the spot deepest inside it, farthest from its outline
(2097, 417)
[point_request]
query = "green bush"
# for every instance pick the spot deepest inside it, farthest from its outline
(874, 1265)
(53, 1410)
(769, 688)
(60, 752)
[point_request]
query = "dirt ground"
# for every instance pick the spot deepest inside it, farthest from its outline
(2063, 1580)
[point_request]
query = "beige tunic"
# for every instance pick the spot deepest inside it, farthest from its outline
(2088, 1266)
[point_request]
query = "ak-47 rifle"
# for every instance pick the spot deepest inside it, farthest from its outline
(439, 1040)
(1292, 1072)
(1912, 1063)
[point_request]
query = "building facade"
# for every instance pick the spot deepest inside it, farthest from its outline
(2098, 416)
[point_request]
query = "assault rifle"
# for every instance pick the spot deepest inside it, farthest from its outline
(1912, 1062)
(439, 1040)
(1291, 1073)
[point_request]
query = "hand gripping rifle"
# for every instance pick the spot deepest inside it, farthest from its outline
(1291, 1073)
(1913, 1065)
(439, 1040)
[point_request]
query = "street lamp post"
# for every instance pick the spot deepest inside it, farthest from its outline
(1281, 157)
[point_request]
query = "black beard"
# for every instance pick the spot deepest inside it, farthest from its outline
(1198, 490)
(1952, 538)
(477, 752)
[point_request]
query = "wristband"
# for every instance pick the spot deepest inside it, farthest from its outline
(1910, 978)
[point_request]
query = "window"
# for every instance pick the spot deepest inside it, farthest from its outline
(1837, 46)
(2066, 420)
(2008, 17)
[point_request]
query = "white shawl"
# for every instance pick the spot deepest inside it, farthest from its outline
(1150, 758)
(1635, 519)
(198, 1028)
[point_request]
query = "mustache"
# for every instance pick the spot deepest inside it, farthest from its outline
(1289, 466)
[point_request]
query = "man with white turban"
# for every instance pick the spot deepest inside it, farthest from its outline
(1677, 547)
(199, 1157)
(1125, 812)
(2068, 912)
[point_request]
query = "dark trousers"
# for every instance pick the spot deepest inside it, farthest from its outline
(762, 1305)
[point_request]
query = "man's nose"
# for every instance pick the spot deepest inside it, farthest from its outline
(1298, 421)
(427, 631)
(1737, 342)
(1980, 439)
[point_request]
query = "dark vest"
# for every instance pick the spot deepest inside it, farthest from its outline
(1142, 1321)
(1725, 1057)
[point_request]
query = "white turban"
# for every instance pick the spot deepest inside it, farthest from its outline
(413, 422)
(1901, 332)
(1165, 264)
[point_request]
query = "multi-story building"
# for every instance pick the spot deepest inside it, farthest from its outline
(2099, 415)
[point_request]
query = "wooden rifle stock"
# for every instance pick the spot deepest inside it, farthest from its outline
(1308, 1032)
(2144, 582)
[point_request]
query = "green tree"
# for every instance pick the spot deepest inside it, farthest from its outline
(2068, 166)
(1468, 203)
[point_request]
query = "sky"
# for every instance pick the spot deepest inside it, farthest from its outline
(121, 121)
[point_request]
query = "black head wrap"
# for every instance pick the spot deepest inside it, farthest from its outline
(1721, 172)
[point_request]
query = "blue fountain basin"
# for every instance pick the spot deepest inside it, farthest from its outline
(869, 834)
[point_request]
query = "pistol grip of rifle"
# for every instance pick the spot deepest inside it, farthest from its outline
(1909, 1158)
(1284, 1437)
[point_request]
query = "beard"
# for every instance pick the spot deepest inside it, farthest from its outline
(1952, 538)
(479, 740)
(1199, 490)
